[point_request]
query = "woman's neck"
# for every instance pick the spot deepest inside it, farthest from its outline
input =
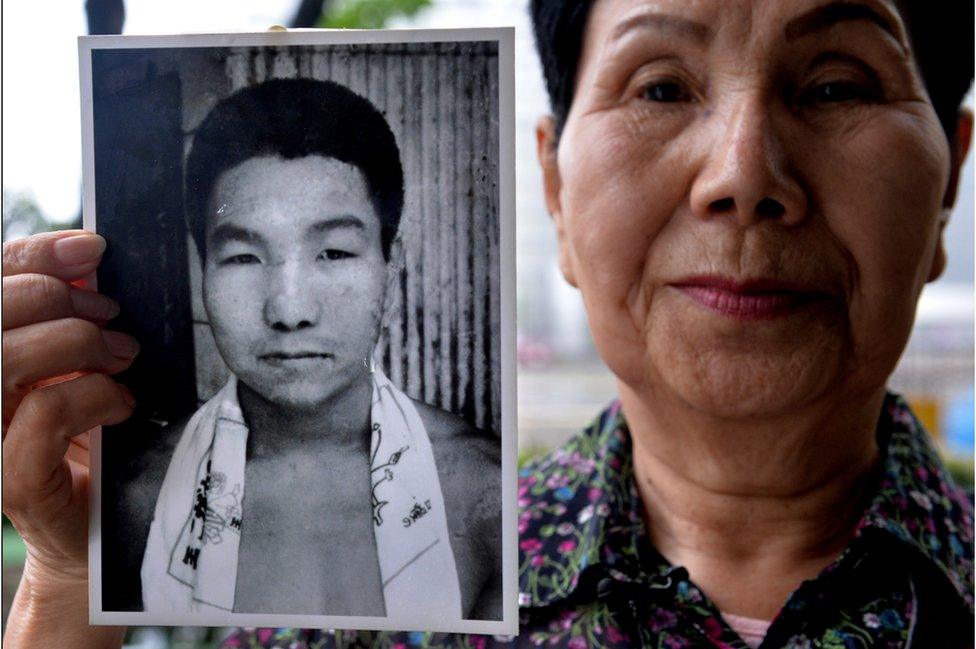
(752, 508)
(342, 423)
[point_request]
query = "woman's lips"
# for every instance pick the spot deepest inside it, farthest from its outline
(753, 300)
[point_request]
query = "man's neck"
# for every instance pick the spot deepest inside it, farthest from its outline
(341, 424)
(754, 508)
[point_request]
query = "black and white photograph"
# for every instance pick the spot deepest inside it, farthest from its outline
(311, 235)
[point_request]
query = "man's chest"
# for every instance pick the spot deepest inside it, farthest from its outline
(307, 542)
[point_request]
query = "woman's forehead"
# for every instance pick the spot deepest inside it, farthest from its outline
(701, 21)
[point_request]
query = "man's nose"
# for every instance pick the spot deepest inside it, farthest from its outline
(747, 171)
(290, 304)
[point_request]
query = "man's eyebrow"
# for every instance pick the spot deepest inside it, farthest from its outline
(664, 22)
(826, 16)
(227, 232)
(336, 222)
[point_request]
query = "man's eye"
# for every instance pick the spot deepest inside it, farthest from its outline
(665, 92)
(333, 254)
(837, 91)
(242, 259)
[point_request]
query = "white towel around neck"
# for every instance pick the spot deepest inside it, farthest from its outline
(190, 563)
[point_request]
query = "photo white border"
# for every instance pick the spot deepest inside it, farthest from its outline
(505, 36)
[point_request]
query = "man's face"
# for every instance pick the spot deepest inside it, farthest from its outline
(294, 277)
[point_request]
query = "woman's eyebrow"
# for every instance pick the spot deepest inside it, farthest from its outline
(826, 16)
(695, 31)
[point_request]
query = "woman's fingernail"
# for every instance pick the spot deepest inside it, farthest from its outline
(79, 249)
(120, 345)
(88, 304)
(127, 396)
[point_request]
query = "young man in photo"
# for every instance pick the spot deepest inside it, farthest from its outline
(310, 484)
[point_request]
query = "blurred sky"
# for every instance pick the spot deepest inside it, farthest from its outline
(41, 119)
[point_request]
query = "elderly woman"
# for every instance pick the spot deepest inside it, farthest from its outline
(750, 196)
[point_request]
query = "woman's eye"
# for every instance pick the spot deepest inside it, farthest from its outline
(665, 92)
(333, 254)
(242, 259)
(837, 91)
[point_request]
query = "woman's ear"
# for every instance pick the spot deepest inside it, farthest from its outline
(959, 149)
(547, 147)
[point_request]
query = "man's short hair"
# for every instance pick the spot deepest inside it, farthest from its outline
(294, 118)
(941, 35)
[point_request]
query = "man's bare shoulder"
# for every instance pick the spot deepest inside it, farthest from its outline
(460, 448)
(148, 461)
(469, 468)
(134, 463)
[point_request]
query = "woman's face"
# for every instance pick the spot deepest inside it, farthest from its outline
(748, 195)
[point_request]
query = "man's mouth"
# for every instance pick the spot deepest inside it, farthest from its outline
(283, 357)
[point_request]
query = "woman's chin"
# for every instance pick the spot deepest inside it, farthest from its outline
(747, 385)
(747, 372)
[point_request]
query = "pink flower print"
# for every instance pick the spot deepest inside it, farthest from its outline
(530, 546)
(537, 560)
(614, 635)
(567, 546)
(922, 473)
(264, 634)
(522, 526)
(713, 630)
(674, 642)
(594, 494)
(662, 619)
(478, 642)
(577, 642)
(798, 642)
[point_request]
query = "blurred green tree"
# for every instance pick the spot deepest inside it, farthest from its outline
(368, 14)
(22, 216)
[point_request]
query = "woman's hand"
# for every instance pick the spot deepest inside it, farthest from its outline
(57, 359)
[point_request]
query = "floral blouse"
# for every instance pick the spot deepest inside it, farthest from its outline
(589, 576)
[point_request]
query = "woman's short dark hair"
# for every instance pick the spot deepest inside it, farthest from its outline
(294, 118)
(941, 34)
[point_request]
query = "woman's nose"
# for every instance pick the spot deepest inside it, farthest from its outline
(747, 172)
(290, 304)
